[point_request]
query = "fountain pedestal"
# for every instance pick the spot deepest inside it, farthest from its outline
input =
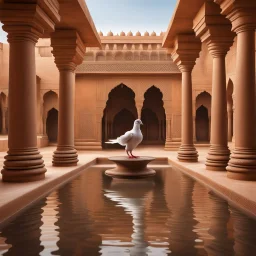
(130, 168)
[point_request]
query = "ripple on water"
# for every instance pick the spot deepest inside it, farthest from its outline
(169, 214)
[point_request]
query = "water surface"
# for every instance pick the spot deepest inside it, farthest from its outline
(169, 214)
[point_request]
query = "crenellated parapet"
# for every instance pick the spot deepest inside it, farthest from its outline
(128, 53)
(124, 53)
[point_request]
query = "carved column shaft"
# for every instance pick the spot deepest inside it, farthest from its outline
(187, 118)
(168, 129)
(187, 49)
(218, 154)
(4, 120)
(23, 161)
(233, 97)
(242, 164)
(215, 30)
(230, 119)
(68, 50)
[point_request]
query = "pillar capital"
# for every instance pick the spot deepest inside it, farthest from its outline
(213, 29)
(240, 13)
(186, 51)
(68, 49)
(29, 21)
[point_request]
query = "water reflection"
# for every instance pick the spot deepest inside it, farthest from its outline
(76, 234)
(169, 214)
(244, 234)
(219, 243)
(49, 233)
(23, 234)
(181, 221)
(131, 195)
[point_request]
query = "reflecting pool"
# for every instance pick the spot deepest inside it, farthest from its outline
(168, 214)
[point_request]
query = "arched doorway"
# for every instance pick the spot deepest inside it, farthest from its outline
(52, 125)
(202, 124)
(50, 116)
(150, 128)
(119, 114)
(153, 117)
(123, 122)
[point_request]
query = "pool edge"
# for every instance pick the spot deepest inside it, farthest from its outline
(14, 207)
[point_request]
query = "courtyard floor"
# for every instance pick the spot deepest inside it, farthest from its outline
(17, 196)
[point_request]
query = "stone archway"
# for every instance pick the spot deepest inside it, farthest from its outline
(50, 103)
(52, 125)
(120, 106)
(150, 128)
(122, 122)
(202, 124)
(202, 120)
(153, 117)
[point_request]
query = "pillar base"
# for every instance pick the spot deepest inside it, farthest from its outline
(23, 165)
(172, 145)
(187, 153)
(242, 164)
(65, 156)
(217, 158)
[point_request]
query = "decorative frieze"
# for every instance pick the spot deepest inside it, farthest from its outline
(166, 67)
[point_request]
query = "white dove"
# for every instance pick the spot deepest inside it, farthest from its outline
(130, 139)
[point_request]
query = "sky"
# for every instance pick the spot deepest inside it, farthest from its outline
(126, 15)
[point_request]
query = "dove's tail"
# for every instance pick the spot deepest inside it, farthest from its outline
(111, 141)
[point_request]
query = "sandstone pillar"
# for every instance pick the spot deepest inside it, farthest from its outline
(186, 51)
(215, 31)
(23, 161)
(233, 137)
(168, 129)
(68, 50)
(242, 164)
(187, 151)
(230, 114)
(194, 129)
(139, 106)
(218, 155)
(4, 120)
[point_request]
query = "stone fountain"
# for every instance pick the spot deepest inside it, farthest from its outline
(131, 168)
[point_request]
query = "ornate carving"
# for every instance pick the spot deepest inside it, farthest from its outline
(68, 49)
(121, 67)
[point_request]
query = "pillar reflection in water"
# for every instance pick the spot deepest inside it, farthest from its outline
(50, 215)
(201, 207)
(244, 234)
(131, 194)
(219, 243)
(23, 234)
(76, 234)
(156, 216)
(181, 222)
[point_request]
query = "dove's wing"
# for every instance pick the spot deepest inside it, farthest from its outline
(124, 139)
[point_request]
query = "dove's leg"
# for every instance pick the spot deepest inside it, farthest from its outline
(128, 154)
(133, 155)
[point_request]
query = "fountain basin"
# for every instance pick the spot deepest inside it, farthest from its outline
(131, 168)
